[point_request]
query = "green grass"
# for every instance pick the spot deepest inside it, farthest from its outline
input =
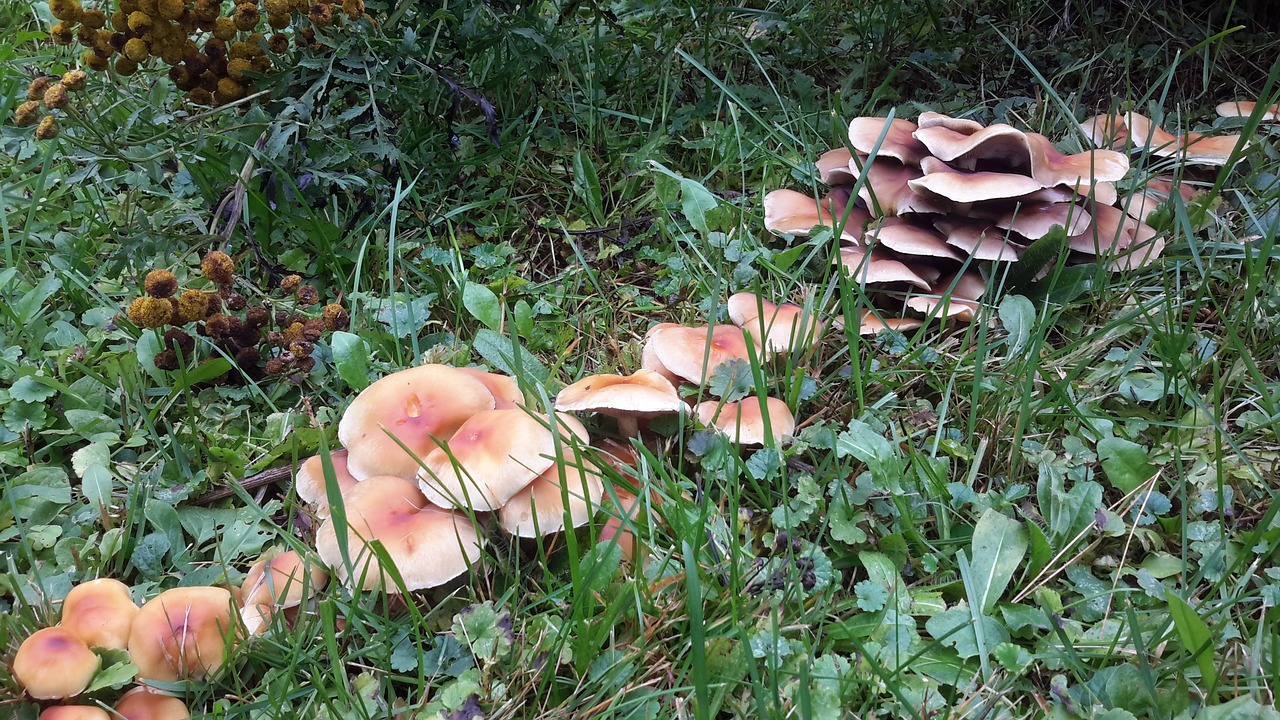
(1062, 510)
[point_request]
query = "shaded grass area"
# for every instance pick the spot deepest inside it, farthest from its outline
(1120, 429)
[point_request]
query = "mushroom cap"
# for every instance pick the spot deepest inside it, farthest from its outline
(833, 167)
(74, 712)
(621, 518)
(540, 508)
(911, 239)
(183, 633)
(791, 213)
(779, 328)
(641, 393)
(872, 266)
(142, 703)
(1106, 131)
(504, 388)
(1008, 146)
(420, 406)
(493, 456)
(979, 239)
(1035, 220)
(309, 479)
(963, 126)
(1192, 148)
(256, 618)
(885, 187)
(100, 612)
(899, 139)
(971, 187)
(872, 323)
(282, 581)
(429, 546)
(1245, 108)
(960, 301)
(743, 421)
(54, 664)
(618, 455)
(691, 353)
(1109, 231)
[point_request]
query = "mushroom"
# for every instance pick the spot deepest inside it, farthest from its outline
(1035, 220)
(954, 296)
(776, 328)
(143, 703)
(418, 407)
(833, 167)
(309, 480)
(1191, 147)
(493, 456)
(899, 141)
(506, 392)
(74, 712)
(183, 633)
(54, 664)
(283, 581)
(744, 421)
(569, 489)
(981, 240)
(970, 187)
(910, 239)
(872, 323)
(691, 353)
(1246, 108)
(100, 612)
(791, 213)
(871, 266)
(428, 546)
(628, 398)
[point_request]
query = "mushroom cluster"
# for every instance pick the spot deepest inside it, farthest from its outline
(183, 633)
(918, 205)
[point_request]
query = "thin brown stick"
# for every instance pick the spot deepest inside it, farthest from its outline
(270, 476)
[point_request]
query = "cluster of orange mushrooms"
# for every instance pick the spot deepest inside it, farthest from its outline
(918, 205)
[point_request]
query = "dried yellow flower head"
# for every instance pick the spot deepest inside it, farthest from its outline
(93, 18)
(193, 305)
(247, 16)
(321, 14)
(66, 10)
(150, 312)
(136, 49)
(47, 129)
(289, 283)
(62, 34)
(160, 283)
(93, 61)
(278, 43)
(224, 28)
(170, 9)
(218, 267)
(353, 8)
(56, 96)
(335, 317)
(125, 66)
(75, 79)
(237, 67)
(25, 114)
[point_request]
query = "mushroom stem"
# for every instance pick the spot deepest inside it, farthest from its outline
(629, 426)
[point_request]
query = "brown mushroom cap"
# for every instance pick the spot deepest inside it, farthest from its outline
(142, 703)
(981, 240)
(779, 328)
(183, 633)
(963, 126)
(743, 421)
(644, 392)
(792, 213)
(899, 141)
(419, 406)
(1035, 220)
(309, 480)
(283, 581)
(872, 323)
(872, 266)
(540, 508)
(100, 612)
(909, 238)
(505, 389)
(54, 664)
(1245, 108)
(691, 353)
(429, 546)
(493, 456)
(74, 712)
(833, 167)
(1192, 147)
(969, 187)
(952, 296)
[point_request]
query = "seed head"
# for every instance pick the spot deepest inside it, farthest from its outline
(160, 283)
(218, 267)
(47, 129)
(150, 312)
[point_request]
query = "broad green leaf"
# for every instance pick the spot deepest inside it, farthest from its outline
(954, 629)
(586, 182)
(509, 358)
(485, 629)
(351, 356)
(1195, 637)
(1018, 316)
(999, 544)
(862, 442)
(695, 200)
(30, 388)
(1241, 708)
(483, 304)
(1125, 463)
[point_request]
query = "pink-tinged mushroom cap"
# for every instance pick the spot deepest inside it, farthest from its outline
(419, 406)
(744, 421)
(952, 297)
(1192, 147)
(74, 712)
(975, 186)
(899, 141)
(833, 167)
(493, 456)
(54, 664)
(629, 398)
(777, 328)
(505, 390)
(310, 483)
(1246, 108)
(100, 612)
(791, 213)
(1035, 220)
(912, 239)
(963, 126)
(875, 267)
(142, 703)
(872, 323)
(981, 240)
(428, 546)
(183, 633)
(691, 353)
(283, 581)
(540, 508)
(1033, 152)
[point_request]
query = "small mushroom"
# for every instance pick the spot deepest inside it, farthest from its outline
(791, 213)
(970, 187)
(493, 456)
(899, 141)
(183, 633)
(74, 712)
(504, 388)
(143, 703)
(1246, 108)
(54, 664)
(981, 240)
(283, 581)
(428, 546)
(873, 323)
(908, 238)
(629, 398)
(691, 353)
(309, 481)
(1192, 147)
(100, 612)
(776, 328)
(833, 167)
(1035, 220)
(744, 421)
(872, 266)
(953, 296)
(419, 407)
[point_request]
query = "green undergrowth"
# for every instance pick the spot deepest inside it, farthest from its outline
(1063, 509)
